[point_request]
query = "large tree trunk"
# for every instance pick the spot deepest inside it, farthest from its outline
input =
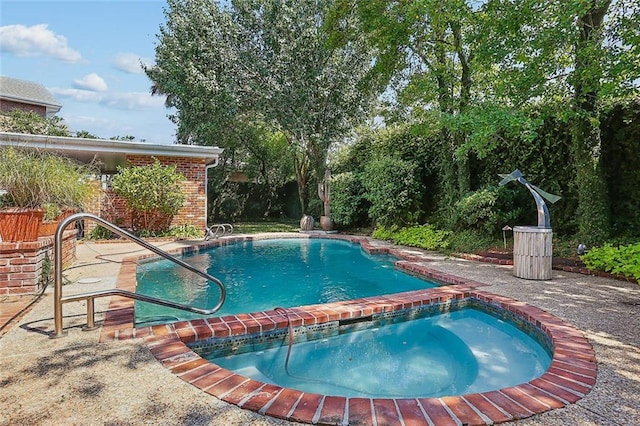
(301, 165)
(462, 161)
(593, 204)
(448, 167)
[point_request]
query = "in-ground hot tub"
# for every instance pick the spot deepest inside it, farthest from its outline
(452, 348)
(569, 377)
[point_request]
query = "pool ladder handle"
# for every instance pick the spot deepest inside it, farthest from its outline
(285, 313)
(58, 299)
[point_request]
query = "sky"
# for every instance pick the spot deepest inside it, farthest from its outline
(87, 53)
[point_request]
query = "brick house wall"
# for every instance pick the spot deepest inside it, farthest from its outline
(6, 106)
(193, 212)
(25, 266)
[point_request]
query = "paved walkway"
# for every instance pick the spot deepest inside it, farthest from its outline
(76, 380)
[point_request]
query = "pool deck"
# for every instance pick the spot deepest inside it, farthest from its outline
(89, 377)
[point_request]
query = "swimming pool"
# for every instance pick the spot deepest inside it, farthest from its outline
(571, 375)
(263, 274)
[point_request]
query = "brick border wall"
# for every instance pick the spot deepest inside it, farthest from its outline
(22, 264)
(112, 207)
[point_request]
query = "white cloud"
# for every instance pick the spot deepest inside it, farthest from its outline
(36, 40)
(130, 63)
(134, 100)
(126, 101)
(78, 94)
(91, 82)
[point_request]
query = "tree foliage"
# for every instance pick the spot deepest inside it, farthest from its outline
(348, 204)
(226, 65)
(19, 121)
(577, 57)
(393, 191)
(496, 73)
(263, 159)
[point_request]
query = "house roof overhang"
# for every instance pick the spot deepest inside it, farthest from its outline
(28, 92)
(50, 108)
(110, 150)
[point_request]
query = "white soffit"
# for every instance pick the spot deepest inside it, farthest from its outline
(97, 146)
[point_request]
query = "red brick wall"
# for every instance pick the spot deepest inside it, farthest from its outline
(192, 213)
(7, 105)
(97, 206)
(22, 265)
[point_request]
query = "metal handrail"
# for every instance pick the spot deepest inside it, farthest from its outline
(58, 300)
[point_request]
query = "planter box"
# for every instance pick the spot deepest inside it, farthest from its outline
(20, 224)
(47, 229)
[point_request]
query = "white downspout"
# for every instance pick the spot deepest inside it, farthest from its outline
(206, 190)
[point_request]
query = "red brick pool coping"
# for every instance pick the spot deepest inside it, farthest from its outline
(570, 377)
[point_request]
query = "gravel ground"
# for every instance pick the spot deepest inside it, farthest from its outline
(77, 381)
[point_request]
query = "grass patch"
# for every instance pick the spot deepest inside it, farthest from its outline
(266, 226)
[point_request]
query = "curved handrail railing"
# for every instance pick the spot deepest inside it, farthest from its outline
(58, 300)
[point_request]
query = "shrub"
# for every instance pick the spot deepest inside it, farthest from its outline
(471, 240)
(393, 191)
(423, 236)
(152, 192)
(100, 233)
(348, 204)
(178, 231)
(487, 210)
(385, 233)
(623, 260)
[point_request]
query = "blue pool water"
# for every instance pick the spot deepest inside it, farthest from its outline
(264, 274)
(460, 352)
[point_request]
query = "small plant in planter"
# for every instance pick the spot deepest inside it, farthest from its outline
(32, 181)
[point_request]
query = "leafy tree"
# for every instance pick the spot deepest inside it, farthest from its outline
(86, 134)
(222, 66)
(491, 73)
(127, 138)
(348, 203)
(29, 122)
(424, 51)
(262, 155)
(268, 163)
(577, 57)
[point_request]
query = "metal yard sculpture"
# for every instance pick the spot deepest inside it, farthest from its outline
(538, 195)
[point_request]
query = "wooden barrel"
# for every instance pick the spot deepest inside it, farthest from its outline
(532, 252)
